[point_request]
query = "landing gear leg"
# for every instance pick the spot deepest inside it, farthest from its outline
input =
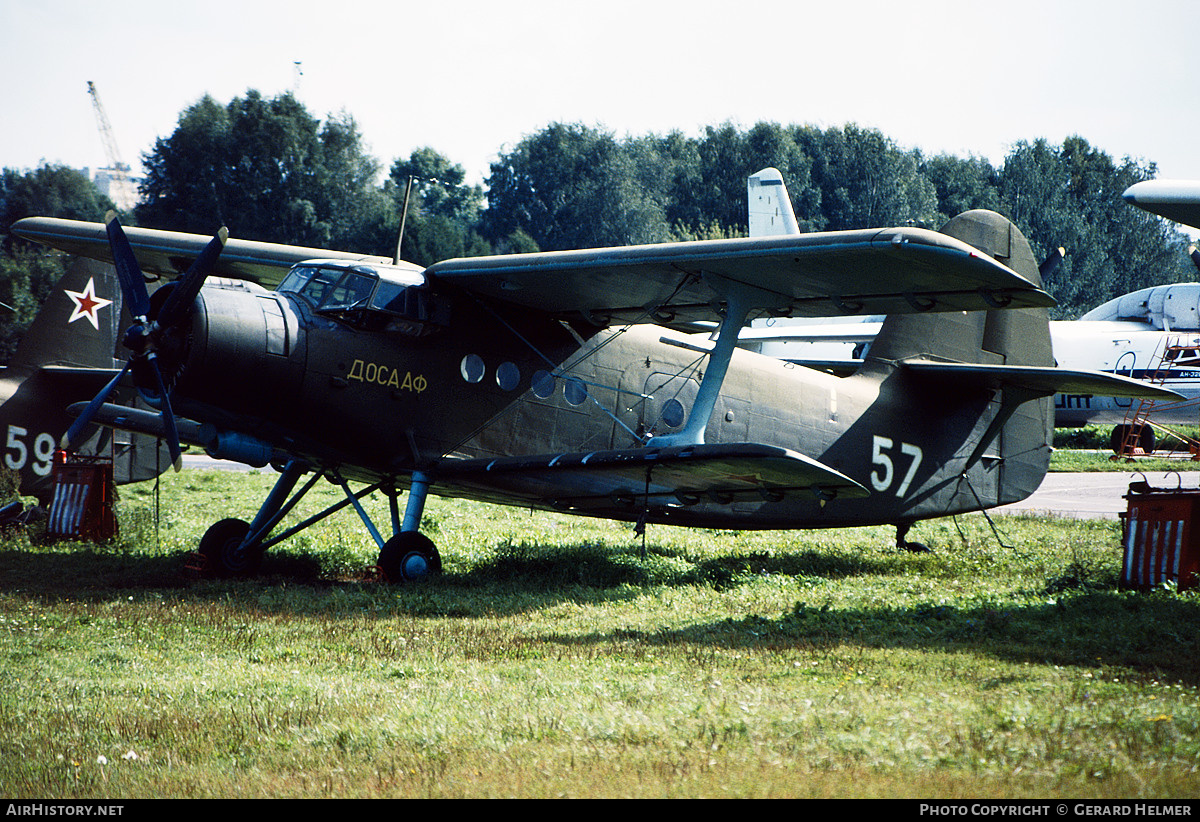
(902, 539)
(410, 555)
(233, 547)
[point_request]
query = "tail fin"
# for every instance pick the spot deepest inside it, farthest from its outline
(956, 356)
(65, 356)
(771, 213)
(1000, 337)
(79, 324)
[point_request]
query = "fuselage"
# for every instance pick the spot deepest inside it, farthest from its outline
(341, 390)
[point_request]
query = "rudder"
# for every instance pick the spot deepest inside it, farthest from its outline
(80, 322)
(1010, 452)
(998, 337)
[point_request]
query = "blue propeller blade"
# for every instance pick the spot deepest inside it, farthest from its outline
(84, 419)
(185, 291)
(133, 285)
(168, 416)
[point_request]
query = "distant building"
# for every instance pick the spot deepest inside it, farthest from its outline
(122, 189)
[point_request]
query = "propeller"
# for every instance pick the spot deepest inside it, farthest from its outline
(150, 329)
(1051, 263)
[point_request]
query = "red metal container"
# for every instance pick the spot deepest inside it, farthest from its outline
(1161, 546)
(82, 507)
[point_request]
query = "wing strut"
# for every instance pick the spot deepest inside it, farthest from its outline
(739, 300)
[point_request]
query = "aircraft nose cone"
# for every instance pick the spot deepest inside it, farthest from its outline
(135, 338)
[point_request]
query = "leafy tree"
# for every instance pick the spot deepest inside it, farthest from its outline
(865, 180)
(569, 186)
(1070, 196)
(723, 158)
(28, 272)
(49, 191)
(268, 170)
(961, 184)
(443, 210)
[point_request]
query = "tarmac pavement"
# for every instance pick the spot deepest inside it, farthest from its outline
(1097, 495)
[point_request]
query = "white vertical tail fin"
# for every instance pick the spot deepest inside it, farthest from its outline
(770, 206)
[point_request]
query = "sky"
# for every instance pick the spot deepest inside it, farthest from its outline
(471, 78)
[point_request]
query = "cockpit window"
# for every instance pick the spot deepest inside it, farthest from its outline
(329, 288)
(296, 279)
(352, 290)
(320, 287)
(367, 298)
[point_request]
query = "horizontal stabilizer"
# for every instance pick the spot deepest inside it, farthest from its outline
(1043, 381)
(609, 482)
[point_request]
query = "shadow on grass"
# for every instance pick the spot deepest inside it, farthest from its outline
(1157, 633)
(1073, 621)
(537, 574)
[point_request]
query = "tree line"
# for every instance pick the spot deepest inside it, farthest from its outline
(271, 171)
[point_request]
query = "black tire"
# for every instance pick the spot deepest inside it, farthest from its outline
(409, 556)
(1145, 438)
(221, 549)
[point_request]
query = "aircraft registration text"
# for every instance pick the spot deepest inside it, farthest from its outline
(377, 374)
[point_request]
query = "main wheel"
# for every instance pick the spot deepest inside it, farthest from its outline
(409, 556)
(1145, 438)
(222, 550)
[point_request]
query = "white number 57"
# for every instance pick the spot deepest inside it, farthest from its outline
(883, 476)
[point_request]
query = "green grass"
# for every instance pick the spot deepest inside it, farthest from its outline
(1087, 449)
(553, 658)
(1096, 461)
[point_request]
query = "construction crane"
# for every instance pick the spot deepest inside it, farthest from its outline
(120, 189)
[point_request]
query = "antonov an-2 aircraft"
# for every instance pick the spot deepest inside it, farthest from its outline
(557, 380)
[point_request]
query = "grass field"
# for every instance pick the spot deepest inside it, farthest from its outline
(553, 658)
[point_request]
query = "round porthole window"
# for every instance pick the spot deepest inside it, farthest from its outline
(575, 391)
(672, 413)
(507, 376)
(472, 368)
(542, 385)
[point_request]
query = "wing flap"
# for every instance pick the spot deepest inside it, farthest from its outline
(876, 271)
(169, 253)
(651, 477)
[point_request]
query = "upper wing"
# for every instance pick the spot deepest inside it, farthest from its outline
(171, 252)
(1177, 200)
(876, 271)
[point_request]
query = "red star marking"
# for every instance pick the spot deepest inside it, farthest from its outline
(87, 304)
